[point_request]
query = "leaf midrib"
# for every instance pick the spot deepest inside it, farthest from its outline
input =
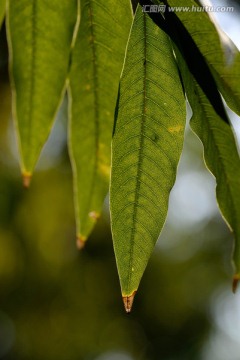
(96, 101)
(140, 156)
(32, 70)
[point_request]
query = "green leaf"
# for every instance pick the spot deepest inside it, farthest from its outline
(147, 145)
(2, 10)
(228, 82)
(94, 79)
(223, 58)
(220, 153)
(40, 36)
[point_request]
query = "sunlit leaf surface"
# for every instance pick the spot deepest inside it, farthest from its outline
(96, 66)
(40, 36)
(223, 57)
(147, 145)
(220, 152)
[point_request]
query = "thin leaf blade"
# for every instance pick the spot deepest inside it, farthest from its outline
(223, 57)
(220, 153)
(40, 36)
(95, 71)
(146, 148)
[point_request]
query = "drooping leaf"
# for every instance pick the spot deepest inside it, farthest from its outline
(223, 58)
(220, 152)
(2, 10)
(40, 36)
(195, 60)
(94, 78)
(147, 145)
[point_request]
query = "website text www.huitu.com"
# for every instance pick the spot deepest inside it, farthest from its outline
(193, 8)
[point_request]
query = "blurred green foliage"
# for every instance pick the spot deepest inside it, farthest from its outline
(57, 303)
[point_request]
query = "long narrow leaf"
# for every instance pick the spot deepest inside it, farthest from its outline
(220, 153)
(94, 78)
(223, 58)
(147, 145)
(40, 36)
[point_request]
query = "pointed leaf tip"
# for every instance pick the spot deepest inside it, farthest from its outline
(146, 148)
(236, 279)
(26, 180)
(128, 302)
(81, 240)
(34, 110)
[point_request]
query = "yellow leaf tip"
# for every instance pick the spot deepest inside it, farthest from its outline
(128, 302)
(81, 241)
(26, 180)
(236, 279)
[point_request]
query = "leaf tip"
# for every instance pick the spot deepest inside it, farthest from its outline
(80, 242)
(26, 180)
(236, 279)
(128, 302)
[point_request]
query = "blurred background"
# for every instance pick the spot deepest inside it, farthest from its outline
(58, 303)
